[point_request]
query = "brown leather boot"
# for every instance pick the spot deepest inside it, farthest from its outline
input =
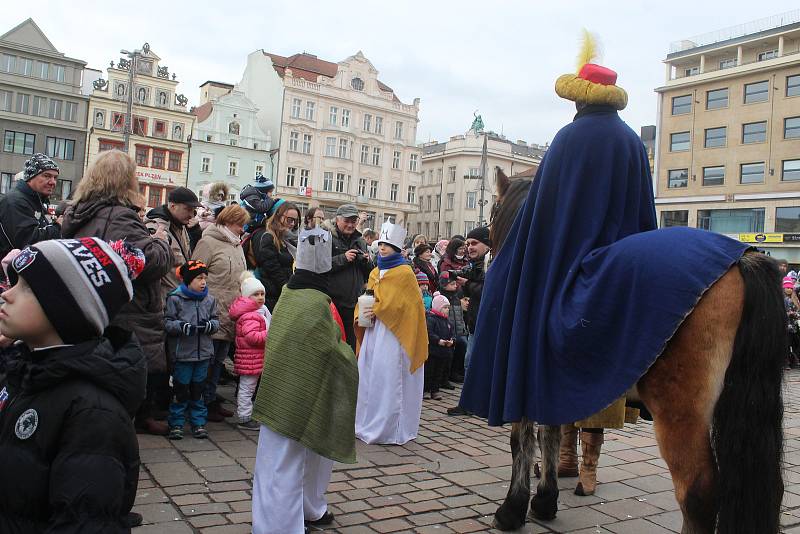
(151, 426)
(568, 453)
(587, 481)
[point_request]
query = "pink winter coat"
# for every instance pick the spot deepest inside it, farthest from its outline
(251, 336)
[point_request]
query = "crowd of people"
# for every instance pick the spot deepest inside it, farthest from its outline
(189, 290)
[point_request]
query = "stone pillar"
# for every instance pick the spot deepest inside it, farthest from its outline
(738, 55)
(702, 63)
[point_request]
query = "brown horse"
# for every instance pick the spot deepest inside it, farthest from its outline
(715, 397)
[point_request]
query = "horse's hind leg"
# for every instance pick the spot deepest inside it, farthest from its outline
(544, 504)
(511, 514)
(681, 390)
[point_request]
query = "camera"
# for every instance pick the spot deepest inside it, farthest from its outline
(464, 272)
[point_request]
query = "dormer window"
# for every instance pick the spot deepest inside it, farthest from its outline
(357, 84)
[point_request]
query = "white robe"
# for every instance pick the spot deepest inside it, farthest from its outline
(289, 485)
(389, 396)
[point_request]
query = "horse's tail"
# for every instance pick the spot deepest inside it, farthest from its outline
(747, 435)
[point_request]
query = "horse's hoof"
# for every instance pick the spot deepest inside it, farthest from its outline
(505, 520)
(544, 508)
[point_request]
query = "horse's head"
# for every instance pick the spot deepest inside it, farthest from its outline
(510, 196)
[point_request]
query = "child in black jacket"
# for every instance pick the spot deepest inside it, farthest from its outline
(440, 345)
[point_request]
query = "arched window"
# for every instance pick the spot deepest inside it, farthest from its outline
(233, 128)
(357, 84)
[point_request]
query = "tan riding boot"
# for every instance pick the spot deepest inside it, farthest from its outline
(587, 481)
(568, 453)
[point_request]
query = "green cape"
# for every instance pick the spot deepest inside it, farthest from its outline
(310, 379)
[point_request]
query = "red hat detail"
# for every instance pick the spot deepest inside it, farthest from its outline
(597, 74)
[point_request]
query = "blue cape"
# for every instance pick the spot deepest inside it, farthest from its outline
(579, 302)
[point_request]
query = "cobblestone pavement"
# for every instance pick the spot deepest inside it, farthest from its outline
(450, 479)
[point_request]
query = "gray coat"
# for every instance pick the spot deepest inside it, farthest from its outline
(182, 309)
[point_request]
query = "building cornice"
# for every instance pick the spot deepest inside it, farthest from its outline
(689, 200)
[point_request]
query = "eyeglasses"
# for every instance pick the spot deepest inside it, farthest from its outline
(318, 218)
(290, 220)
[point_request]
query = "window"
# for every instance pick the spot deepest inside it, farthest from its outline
(791, 128)
(6, 179)
(727, 63)
(674, 218)
(8, 63)
(24, 103)
(419, 227)
(160, 129)
(143, 156)
(678, 178)
(209, 138)
(304, 174)
(70, 111)
(679, 141)
(393, 192)
(159, 158)
(327, 181)
(471, 200)
(398, 130)
(117, 122)
(430, 203)
(294, 139)
(438, 202)
(769, 54)
(38, 108)
(5, 100)
(259, 168)
(364, 153)
(346, 118)
(421, 203)
(790, 171)
(55, 109)
(330, 146)
(756, 92)
(357, 84)
(451, 174)
(754, 132)
(306, 143)
(468, 226)
(717, 99)
(343, 148)
(439, 175)
(205, 165)
(739, 221)
(474, 172)
(60, 148)
(108, 144)
(139, 126)
(713, 175)
(716, 137)
(373, 189)
(412, 194)
(233, 168)
(310, 111)
(233, 142)
(43, 70)
(436, 229)
(340, 182)
(174, 163)
(451, 199)
(58, 72)
(290, 174)
(154, 196)
(787, 219)
(19, 142)
(379, 125)
(334, 112)
(412, 164)
(396, 159)
(793, 85)
(691, 71)
(296, 102)
(448, 228)
(25, 66)
(752, 173)
(430, 176)
(362, 187)
(367, 122)
(376, 156)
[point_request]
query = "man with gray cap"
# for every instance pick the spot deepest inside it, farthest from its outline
(350, 265)
(23, 211)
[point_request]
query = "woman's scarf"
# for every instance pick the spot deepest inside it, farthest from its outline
(194, 295)
(233, 238)
(391, 261)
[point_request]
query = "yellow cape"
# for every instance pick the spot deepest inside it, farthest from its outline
(399, 306)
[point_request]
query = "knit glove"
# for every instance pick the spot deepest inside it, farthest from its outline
(206, 328)
(188, 329)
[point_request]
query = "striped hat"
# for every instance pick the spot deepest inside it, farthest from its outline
(81, 284)
(422, 278)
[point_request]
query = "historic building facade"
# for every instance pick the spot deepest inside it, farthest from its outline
(228, 145)
(449, 195)
(42, 108)
(160, 125)
(728, 137)
(344, 136)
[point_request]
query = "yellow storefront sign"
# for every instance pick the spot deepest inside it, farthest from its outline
(761, 238)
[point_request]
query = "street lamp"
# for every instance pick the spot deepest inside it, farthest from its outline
(132, 56)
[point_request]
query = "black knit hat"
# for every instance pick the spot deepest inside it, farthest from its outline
(81, 284)
(37, 165)
(191, 270)
(480, 233)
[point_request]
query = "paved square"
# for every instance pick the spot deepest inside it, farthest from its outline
(450, 479)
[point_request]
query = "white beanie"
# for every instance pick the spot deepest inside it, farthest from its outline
(250, 284)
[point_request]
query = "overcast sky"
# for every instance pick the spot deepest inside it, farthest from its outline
(500, 57)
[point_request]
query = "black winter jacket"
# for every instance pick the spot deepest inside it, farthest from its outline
(23, 219)
(68, 452)
(346, 279)
(456, 312)
(473, 290)
(274, 266)
(438, 328)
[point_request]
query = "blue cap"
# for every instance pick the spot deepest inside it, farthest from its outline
(262, 182)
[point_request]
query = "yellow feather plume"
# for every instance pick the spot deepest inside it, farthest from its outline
(589, 49)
